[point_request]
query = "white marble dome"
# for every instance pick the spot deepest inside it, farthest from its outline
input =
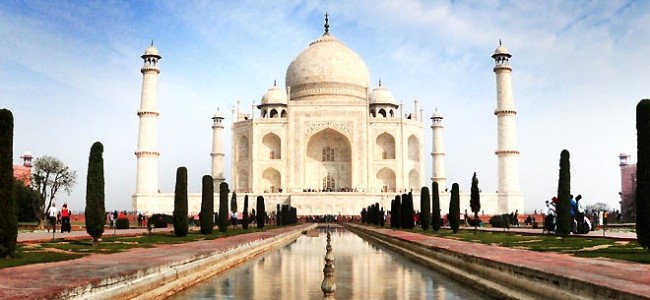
(327, 64)
(151, 51)
(274, 95)
(381, 95)
(501, 50)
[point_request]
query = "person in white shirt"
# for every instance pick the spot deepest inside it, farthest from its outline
(53, 212)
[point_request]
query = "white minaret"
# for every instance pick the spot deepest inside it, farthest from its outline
(217, 151)
(438, 153)
(509, 195)
(147, 153)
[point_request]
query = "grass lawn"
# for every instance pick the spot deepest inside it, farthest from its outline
(577, 246)
(33, 253)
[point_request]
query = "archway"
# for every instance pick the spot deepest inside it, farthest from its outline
(329, 153)
(271, 147)
(414, 148)
(385, 146)
(386, 180)
(272, 180)
(242, 180)
(242, 149)
(414, 180)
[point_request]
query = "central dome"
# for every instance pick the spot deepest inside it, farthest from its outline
(328, 67)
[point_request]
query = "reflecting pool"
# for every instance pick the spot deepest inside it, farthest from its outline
(363, 271)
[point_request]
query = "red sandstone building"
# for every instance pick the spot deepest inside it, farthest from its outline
(24, 172)
(628, 187)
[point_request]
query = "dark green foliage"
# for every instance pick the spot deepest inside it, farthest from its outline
(564, 196)
(8, 220)
(95, 209)
(278, 215)
(244, 221)
(285, 214)
(398, 212)
(454, 208)
(500, 221)
(475, 200)
(407, 211)
(261, 212)
(206, 216)
(425, 208)
(382, 217)
(642, 194)
(294, 215)
(180, 203)
(435, 207)
(122, 223)
(160, 220)
(223, 207)
(233, 202)
(26, 200)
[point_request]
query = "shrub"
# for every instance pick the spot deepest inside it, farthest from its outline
(244, 218)
(180, 203)
(95, 208)
(500, 221)
(122, 223)
(160, 220)
(261, 212)
(425, 208)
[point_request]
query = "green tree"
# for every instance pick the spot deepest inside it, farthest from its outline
(564, 196)
(8, 220)
(425, 208)
(180, 203)
(261, 212)
(454, 208)
(398, 211)
(233, 203)
(642, 193)
(223, 207)
(26, 198)
(95, 196)
(278, 215)
(48, 177)
(475, 201)
(206, 217)
(408, 211)
(435, 207)
(244, 220)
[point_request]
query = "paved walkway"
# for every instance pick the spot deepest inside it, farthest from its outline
(50, 280)
(43, 235)
(615, 234)
(622, 276)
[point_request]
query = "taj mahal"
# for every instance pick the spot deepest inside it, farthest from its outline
(327, 142)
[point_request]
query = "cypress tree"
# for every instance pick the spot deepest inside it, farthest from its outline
(392, 213)
(206, 216)
(564, 196)
(95, 208)
(233, 202)
(382, 217)
(425, 208)
(435, 207)
(404, 210)
(261, 212)
(180, 203)
(285, 214)
(475, 200)
(642, 194)
(223, 207)
(244, 221)
(8, 218)
(454, 208)
(409, 221)
(278, 215)
(398, 212)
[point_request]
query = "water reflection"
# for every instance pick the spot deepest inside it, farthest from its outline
(363, 271)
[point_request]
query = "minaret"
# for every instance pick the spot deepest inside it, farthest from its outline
(438, 153)
(509, 196)
(147, 153)
(217, 151)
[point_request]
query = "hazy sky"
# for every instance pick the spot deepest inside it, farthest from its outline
(70, 73)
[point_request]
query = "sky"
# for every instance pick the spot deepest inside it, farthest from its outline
(70, 73)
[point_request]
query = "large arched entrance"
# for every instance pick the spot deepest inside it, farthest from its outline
(328, 162)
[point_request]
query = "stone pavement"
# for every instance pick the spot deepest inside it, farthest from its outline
(610, 233)
(53, 280)
(45, 236)
(623, 277)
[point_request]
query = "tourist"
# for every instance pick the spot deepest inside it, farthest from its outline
(52, 217)
(65, 218)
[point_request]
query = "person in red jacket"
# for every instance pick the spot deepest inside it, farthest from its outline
(65, 218)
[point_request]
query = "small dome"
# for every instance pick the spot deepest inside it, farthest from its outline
(381, 95)
(328, 61)
(218, 115)
(501, 50)
(151, 51)
(436, 114)
(27, 154)
(274, 95)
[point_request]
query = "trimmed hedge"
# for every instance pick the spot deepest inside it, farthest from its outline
(122, 223)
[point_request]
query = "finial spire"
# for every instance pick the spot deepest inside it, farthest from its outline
(152, 42)
(327, 24)
(379, 81)
(275, 83)
(499, 42)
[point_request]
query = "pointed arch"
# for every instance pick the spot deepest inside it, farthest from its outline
(386, 179)
(273, 113)
(414, 148)
(271, 147)
(414, 180)
(271, 180)
(243, 149)
(382, 112)
(243, 180)
(283, 114)
(385, 146)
